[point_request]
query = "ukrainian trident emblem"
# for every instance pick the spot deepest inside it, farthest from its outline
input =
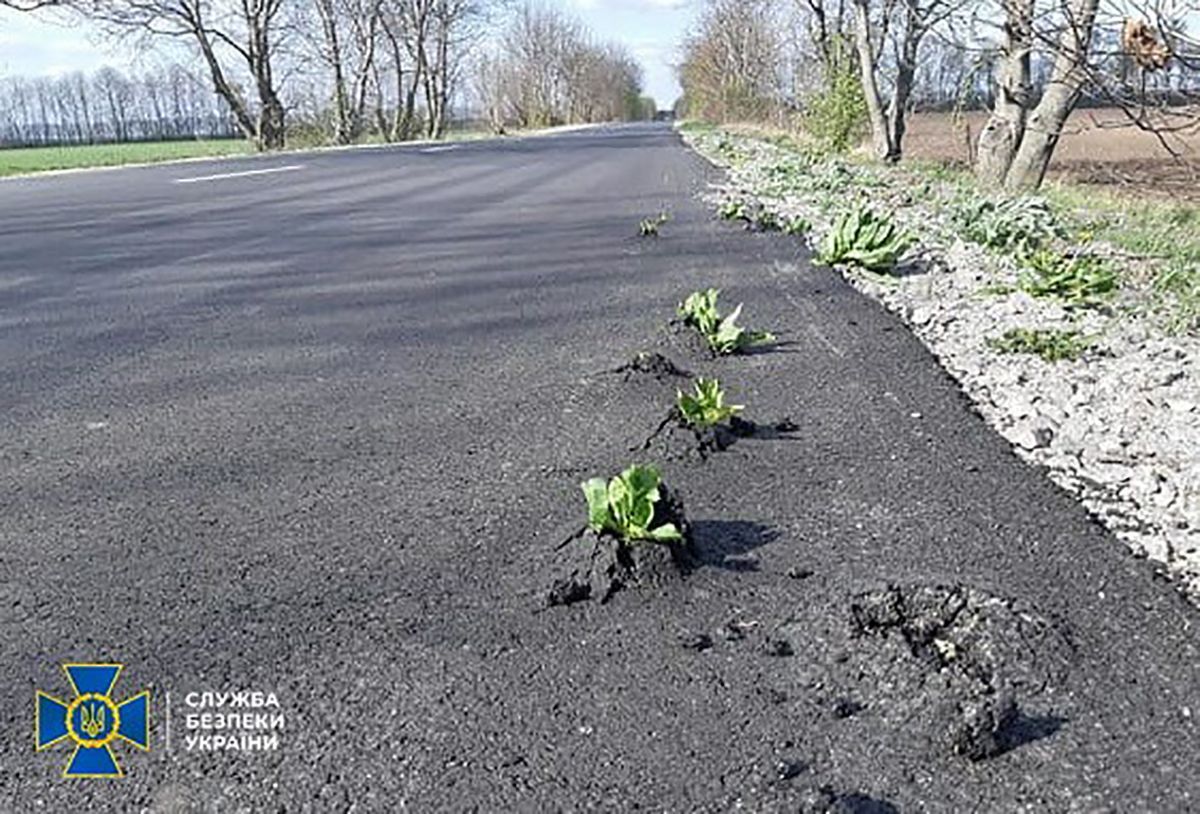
(92, 721)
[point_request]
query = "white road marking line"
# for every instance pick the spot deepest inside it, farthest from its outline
(444, 149)
(243, 174)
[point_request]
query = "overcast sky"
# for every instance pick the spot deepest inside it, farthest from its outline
(33, 45)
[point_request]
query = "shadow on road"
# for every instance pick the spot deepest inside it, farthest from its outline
(726, 543)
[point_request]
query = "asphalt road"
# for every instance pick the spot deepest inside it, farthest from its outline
(316, 431)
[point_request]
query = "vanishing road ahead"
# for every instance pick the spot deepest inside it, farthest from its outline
(314, 424)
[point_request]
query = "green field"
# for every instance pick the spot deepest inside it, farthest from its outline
(40, 159)
(22, 160)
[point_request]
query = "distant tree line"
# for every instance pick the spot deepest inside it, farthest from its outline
(338, 70)
(108, 106)
(838, 67)
(546, 69)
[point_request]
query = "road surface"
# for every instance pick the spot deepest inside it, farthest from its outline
(312, 425)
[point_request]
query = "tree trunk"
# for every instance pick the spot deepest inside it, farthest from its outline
(226, 91)
(866, 66)
(341, 102)
(271, 132)
(1044, 126)
(906, 68)
(394, 131)
(1005, 128)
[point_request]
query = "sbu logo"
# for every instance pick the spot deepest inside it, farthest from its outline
(92, 721)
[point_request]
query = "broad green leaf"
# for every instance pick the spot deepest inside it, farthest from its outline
(642, 479)
(620, 501)
(665, 532)
(596, 493)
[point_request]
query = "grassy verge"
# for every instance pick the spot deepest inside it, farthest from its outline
(1162, 241)
(41, 159)
(25, 160)
(1151, 247)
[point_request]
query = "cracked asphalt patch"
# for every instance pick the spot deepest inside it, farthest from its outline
(319, 433)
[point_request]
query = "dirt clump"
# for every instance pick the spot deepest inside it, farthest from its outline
(595, 566)
(675, 439)
(653, 365)
(953, 661)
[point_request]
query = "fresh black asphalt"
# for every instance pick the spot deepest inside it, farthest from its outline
(318, 431)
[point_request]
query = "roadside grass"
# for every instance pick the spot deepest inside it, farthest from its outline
(1157, 242)
(1147, 248)
(1162, 238)
(1050, 344)
(1155, 230)
(21, 160)
(27, 160)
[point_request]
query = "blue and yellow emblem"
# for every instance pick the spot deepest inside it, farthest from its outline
(93, 720)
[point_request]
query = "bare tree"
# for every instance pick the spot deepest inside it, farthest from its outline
(350, 30)
(109, 106)
(903, 24)
(1016, 144)
(548, 70)
(228, 33)
(732, 61)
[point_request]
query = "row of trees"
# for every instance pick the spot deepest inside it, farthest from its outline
(168, 103)
(390, 67)
(547, 70)
(841, 63)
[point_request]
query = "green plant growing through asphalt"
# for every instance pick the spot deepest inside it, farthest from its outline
(624, 506)
(865, 239)
(649, 227)
(1050, 344)
(1075, 280)
(705, 407)
(1012, 224)
(699, 310)
(723, 334)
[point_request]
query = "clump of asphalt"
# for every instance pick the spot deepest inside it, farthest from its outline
(683, 338)
(675, 439)
(953, 669)
(653, 365)
(595, 566)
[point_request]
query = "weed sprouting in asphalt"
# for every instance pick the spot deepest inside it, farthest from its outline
(723, 334)
(649, 227)
(699, 310)
(624, 506)
(706, 406)
(1074, 279)
(1050, 344)
(865, 239)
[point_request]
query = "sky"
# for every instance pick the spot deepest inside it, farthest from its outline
(34, 45)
